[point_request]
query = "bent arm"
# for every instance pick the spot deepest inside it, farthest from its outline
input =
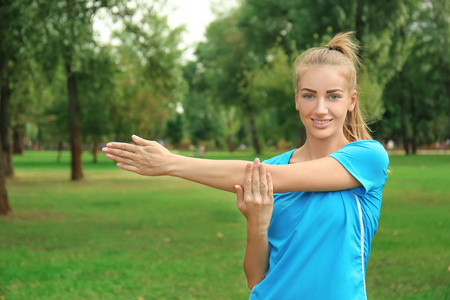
(255, 201)
(256, 259)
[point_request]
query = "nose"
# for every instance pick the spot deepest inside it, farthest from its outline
(321, 107)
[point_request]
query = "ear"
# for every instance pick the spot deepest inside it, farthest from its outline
(353, 99)
(296, 100)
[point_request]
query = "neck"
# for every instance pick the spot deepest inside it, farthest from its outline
(315, 149)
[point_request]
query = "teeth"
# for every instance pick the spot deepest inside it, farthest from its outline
(322, 122)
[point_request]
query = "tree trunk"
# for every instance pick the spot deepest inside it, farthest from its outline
(74, 123)
(255, 140)
(414, 125)
(4, 121)
(18, 136)
(230, 143)
(39, 137)
(229, 137)
(403, 126)
(4, 203)
(94, 151)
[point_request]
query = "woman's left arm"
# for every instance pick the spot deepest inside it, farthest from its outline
(151, 159)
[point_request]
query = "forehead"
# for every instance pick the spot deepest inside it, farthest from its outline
(323, 78)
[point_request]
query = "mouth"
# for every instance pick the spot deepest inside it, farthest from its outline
(321, 121)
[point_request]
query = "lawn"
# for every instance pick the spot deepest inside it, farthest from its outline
(117, 235)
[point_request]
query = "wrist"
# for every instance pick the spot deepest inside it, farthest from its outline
(257, 229)
(172, 164)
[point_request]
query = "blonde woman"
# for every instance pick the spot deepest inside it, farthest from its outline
(311, 239)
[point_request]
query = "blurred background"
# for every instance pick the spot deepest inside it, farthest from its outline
(206, 79)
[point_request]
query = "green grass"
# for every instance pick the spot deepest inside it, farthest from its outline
(117, 235)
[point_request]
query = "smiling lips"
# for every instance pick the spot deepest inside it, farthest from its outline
(321, 123)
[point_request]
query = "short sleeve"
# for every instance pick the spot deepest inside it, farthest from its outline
(367, 161)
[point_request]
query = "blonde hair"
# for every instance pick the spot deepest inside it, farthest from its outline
(341, 51)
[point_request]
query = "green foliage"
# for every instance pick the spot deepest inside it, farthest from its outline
(174, 130)
(238, 90)
(150, 81)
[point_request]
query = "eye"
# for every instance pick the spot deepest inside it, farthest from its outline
(308, 96)
(335, 97)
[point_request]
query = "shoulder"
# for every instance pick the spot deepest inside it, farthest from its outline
(366, 160)
(365, 150)
(366, 144)
(281, 159)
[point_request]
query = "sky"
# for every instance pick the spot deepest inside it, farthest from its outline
(195, 14)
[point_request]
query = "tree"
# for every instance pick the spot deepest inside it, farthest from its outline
(14, 19)
(224, 59)
(65, 27)
(97, 88)
(150, 80)
(4, 203)
(417, 102)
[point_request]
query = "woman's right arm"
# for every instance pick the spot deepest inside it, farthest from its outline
(255, 201)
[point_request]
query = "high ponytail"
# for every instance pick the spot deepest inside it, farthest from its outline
(341, 51)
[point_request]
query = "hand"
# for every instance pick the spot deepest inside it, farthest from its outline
(255, 200)
(145, 158)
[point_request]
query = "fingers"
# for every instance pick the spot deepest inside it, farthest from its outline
(263, 180)
(122, 160)
(120, 146)
(256, 179)
(269, 186)
(239, 196)
(248, 179)
(113, 153)
(140, 141)
(128, 168)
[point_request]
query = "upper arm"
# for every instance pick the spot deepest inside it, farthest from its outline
(324, 174)
(360, 164)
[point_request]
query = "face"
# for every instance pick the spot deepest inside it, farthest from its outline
(323, 99)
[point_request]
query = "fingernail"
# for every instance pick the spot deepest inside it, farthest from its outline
(104, 149)
(135, 136)
(109, 144)
(257, 160)
(261, 166)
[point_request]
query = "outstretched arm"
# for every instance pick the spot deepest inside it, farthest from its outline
(152, 159)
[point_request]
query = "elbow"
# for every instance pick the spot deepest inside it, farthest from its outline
(252, 281)
(251, 284)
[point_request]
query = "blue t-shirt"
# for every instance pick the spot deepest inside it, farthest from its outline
(319, 242)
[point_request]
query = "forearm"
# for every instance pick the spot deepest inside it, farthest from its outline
(219, 174)
(256, 259)
(225, 174)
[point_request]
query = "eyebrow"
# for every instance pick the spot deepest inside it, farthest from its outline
(334, 91)
(328, 92)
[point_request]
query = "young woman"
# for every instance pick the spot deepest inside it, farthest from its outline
(316, 242)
